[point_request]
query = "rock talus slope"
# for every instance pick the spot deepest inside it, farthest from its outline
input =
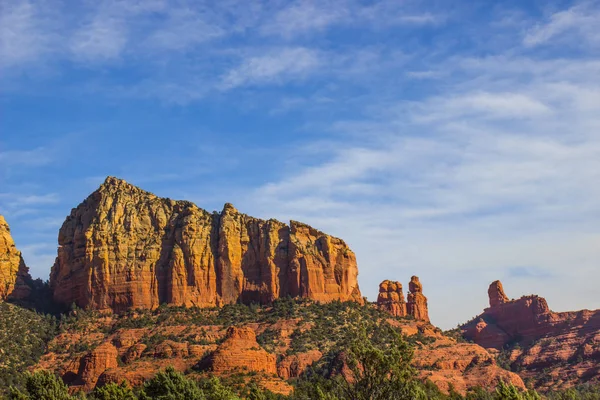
(126, 248)
(14, 274)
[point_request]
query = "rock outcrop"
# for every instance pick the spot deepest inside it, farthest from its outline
(95, 363)
(125, 248)
(391, 298)
(565, 345)
(417, 302)
(294, 365)
(14, 274)
(461, 366)
(241, 352)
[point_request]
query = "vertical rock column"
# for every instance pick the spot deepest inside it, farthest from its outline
(496, 294)
(417, 302)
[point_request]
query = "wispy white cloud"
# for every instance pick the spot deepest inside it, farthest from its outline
(488, 174)
(32, 158)
(581, 20)
(302, 17)
(104, 38)
(184, 29)
(272, 67)
(483, 105)
(24, 33)
(39, 258)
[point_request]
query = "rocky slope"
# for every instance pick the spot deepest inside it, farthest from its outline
(95, 349)
(126, 248)
(557, 349)
(14, 274)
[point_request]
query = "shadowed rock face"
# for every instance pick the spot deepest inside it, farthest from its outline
(126, 248)
(14, 274)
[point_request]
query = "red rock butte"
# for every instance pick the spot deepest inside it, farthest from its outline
(125, 248)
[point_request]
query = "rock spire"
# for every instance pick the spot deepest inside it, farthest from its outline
(417, 302)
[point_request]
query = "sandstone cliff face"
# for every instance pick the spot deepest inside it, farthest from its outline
(417, 302)
(126, 248)
(391, 298)
(563, 345)
(14, 274)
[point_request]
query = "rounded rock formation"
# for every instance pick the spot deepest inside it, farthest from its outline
(241, 352)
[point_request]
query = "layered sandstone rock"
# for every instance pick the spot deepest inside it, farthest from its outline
(126, 248)
(95, 363)
(14, 274)
(241, 352)
(417, 302)
(565, 345)
(391, 298)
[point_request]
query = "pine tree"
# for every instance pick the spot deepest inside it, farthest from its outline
(112, 391)
(41, 385)
(171, 385)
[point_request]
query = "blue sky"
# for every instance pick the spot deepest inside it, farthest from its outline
(458, 141)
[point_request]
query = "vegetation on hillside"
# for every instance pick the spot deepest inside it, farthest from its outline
(374, 366)
(365, 358)
(23, 338)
